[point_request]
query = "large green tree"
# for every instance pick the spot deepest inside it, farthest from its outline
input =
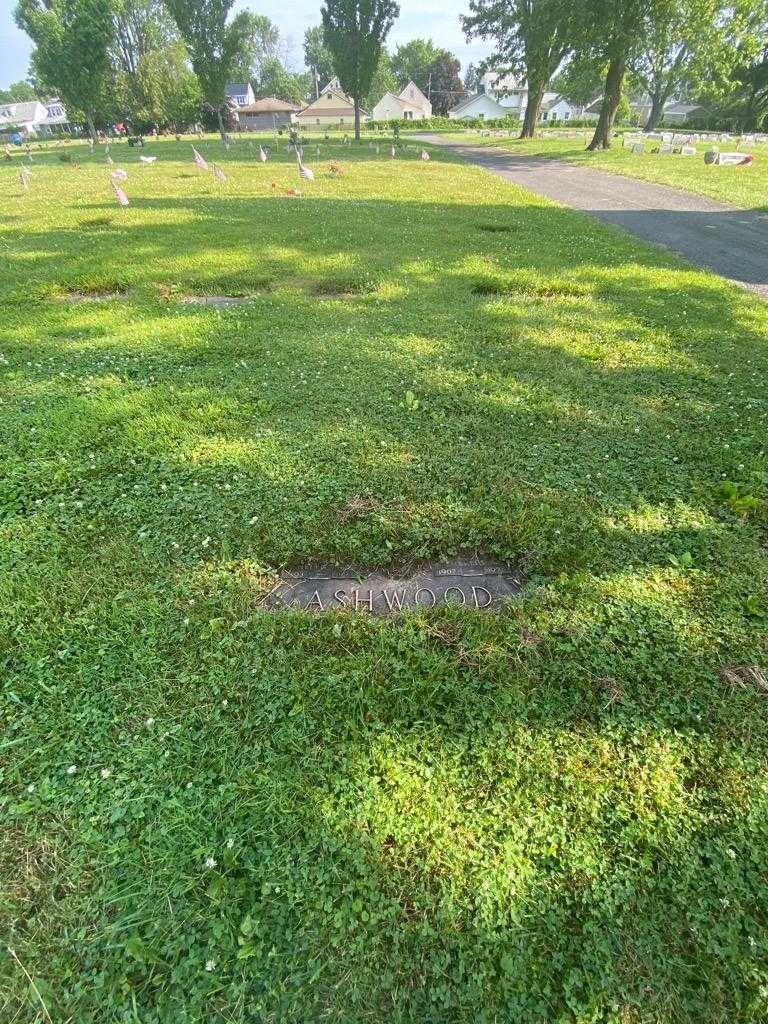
(163, 92)
(383, 81)
(613, 34)
(17, 92)
(275, 80)
(445, 86)
(72, 49)
(354, 32)
(141, 27)
(318, 57)
(694, 44)
(216, 46)
(532, 38)
(260, 43)
(413, 61)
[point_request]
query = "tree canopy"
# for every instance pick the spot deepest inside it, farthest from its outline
(354, 32)
(532, 38)
(72, 49)
(317, 56)
(216, 46)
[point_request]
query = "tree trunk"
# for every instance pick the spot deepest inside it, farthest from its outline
(91, 128)
(221, 123)
(614, 81)
(535, 96)
(657, 111)
(357, 120)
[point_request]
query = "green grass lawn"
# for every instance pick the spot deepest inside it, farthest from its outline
(216, 813)
(742, 186)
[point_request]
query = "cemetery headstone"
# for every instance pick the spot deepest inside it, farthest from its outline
(477, 583)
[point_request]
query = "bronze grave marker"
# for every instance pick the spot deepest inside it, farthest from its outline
(469, 582)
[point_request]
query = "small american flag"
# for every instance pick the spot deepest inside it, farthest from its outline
(393, 151)
(108, 159)
(262, 155)
(424, 155)
(306, 172)
(121, 197)
(119, 174)
(218, 174)
(147, 159)
(199, 160)
(24, 176)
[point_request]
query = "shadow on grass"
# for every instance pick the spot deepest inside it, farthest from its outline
(523, 817)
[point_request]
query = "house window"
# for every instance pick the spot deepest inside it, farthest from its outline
(566, 115)
(544, 116)
(408, 115)
(329, 96)
(317, 120)
(481, 115)
(55, 111)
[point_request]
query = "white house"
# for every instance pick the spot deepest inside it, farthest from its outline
(33, 117)
(409, 105)
(557, 108)
(240, 93)
(482, 106)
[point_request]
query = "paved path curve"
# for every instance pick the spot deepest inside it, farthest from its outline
(732, 242)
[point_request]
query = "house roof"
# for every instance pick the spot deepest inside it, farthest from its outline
(236, 89)
(20, 113)
(268, 105)
(345, 106)
(399, 99)
(478, 96)
(412, 85)
(552, 101)
(682, 108)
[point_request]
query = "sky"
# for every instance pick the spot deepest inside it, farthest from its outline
(435, 19)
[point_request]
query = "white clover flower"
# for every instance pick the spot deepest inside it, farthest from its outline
(105, 773)
(210, 965)
(230, 843)
(210, 862)
(31, 787)
(72, 769)
(149, 722)
(731, 853)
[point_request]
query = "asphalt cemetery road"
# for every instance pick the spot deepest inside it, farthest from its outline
(730, 241)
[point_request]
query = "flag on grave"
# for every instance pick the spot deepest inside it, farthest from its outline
(119, 174)
(108, 159)
(199, 160)
(147, 159)
(121, 197)
(24, 176)
(306, 172)
(424, 155)
(262, 155)
(218, 174)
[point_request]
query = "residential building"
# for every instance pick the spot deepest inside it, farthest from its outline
(409, 105)
(267, 113)
(240, 93)
(333, 108)
(34, 118)
(480, 106)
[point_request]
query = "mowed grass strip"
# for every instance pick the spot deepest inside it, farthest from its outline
(744, 186)
(211, 812)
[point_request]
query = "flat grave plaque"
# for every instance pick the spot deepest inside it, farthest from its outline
(470, 582)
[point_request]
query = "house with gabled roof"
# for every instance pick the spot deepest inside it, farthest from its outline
(332, 108)
(33, 117)
(267, 112)
(240, 93)
(408, 105)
